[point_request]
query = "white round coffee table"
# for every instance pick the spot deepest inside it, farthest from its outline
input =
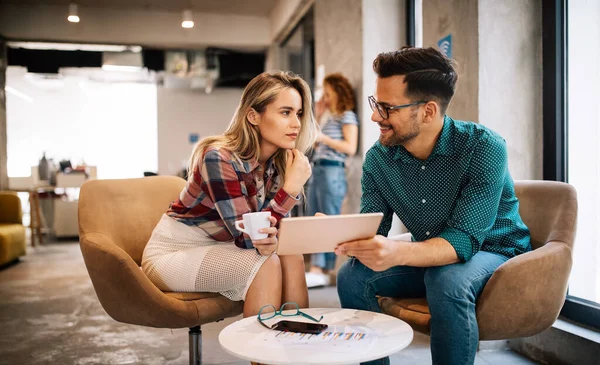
(353, 336)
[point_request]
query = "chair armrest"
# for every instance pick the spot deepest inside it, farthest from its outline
(510, 303)
(129, 296)
(11, 211)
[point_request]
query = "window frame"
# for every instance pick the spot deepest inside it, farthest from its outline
(555, 127)
(411, 25)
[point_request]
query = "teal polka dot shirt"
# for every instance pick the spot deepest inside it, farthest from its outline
(462, 192)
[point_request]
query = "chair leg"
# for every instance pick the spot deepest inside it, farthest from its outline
(195, 336)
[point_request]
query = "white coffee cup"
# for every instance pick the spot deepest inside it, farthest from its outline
(253, 222)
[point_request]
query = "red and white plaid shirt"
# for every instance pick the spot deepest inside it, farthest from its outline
(223, 188)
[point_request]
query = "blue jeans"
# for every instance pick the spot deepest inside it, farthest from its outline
(451, 293)
(326, 193)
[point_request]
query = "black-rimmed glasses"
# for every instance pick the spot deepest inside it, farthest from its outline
(384, 110)
(269, 311)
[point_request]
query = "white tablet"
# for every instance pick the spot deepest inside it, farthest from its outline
(323, 233)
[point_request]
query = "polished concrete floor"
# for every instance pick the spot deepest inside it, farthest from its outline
(49, 314)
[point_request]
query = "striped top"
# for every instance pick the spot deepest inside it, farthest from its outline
(333, 129)
(223, 188)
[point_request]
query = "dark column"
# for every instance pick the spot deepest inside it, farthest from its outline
(3, 141)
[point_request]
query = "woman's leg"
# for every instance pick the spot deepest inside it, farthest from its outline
(265, 288)
(279, 280)
(293, 280)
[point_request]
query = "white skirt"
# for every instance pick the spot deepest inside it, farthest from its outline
(180, 258)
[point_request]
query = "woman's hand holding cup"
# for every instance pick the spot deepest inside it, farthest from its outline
(260, 227)
(267, 246)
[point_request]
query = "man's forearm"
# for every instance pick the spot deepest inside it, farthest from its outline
(432, 252)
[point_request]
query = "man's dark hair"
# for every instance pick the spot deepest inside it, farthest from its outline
(428, 74)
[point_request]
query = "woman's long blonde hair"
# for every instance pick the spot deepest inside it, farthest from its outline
(243, 138)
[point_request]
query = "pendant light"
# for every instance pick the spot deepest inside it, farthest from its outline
(73, 14)
(187, 20)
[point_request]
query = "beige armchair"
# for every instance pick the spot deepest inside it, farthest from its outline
(116, 218)
(524, 296)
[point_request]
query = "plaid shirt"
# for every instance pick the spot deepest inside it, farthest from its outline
(223, 188)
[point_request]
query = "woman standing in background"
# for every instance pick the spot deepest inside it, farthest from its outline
(337, 141)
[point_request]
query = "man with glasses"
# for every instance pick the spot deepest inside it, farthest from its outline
(448, 182)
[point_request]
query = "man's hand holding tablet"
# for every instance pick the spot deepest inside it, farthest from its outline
(377, 252)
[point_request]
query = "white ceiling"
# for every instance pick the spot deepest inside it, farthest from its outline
(235, 24)
(241, 7)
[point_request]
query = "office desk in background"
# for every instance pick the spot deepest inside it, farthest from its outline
(64, 211)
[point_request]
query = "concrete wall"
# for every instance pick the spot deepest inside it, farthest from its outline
(338, 37)
(384, 30)
(497, 46)
(348, 36)
(281, 17)
(282, 20)
(338, 47)
(510, 80)
(3, 142)
(458, 18)
(124, 26)
(284, 17)
(181, 112)
(563, 343)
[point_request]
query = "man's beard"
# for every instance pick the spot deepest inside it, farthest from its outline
(401, 139)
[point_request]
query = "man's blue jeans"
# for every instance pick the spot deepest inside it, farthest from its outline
(451, 292)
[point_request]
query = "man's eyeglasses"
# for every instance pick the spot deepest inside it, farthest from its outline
(269, 311)
(384, 111)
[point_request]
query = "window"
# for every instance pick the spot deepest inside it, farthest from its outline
(111, 125)
(583, 134)
(571, 52)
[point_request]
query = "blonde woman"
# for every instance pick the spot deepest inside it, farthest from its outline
(257, 165)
